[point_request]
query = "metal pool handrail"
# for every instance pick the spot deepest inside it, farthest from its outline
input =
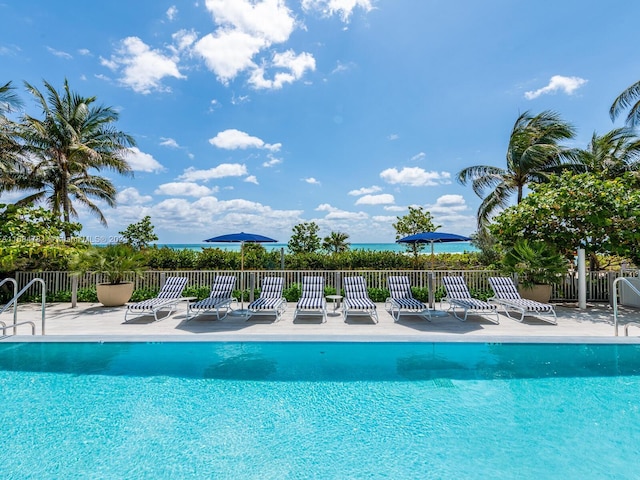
(14, 301)
(615, 300)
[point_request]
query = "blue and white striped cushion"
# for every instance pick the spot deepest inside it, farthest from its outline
(223, 286)
(270, 295)
(504, 288)
(173, 287)
(355, 294)
(312, 296)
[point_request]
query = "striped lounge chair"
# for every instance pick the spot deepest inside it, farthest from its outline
(401, 300)
(220, 298)
(458, 296)
(312, 299)
(270, 301)
(356, 299)
(506, 295)
(167, 299)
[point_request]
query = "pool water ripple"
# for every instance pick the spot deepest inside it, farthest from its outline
(319, 411)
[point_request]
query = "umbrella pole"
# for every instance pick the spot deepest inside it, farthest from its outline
(431, 292)
(242, 276)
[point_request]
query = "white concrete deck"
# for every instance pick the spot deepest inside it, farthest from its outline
(90, 321)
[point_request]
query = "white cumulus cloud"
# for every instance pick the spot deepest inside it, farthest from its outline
(251, 179)
(415, 177)
(184, 189)
(365, 190)
(223, 170)
(311, 181)
(448, 204)
(343, 8)
(142, 162)
(383, 199)
(131, 196)
(172, 11)
(169, 142)
(244, 28)
(294, 65)
(557, 83)
(233, 139)
(141, 68)
(272, 162)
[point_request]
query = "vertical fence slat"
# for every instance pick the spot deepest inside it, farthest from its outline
(598, 283)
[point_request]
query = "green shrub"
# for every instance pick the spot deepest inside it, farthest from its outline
(292, 293)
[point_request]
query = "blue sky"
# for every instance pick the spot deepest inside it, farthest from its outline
(258, 115)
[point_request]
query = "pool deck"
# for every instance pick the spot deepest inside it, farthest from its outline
(93, 322)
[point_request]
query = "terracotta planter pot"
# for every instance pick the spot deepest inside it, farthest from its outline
(114, 295)
(539, 293)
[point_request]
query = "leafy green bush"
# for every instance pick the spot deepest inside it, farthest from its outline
(292, 293)
(378, 294)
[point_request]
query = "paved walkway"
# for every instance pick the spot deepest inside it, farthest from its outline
(92, 321)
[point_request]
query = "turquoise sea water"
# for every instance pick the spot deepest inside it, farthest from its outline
(319, 410)
(455, 247)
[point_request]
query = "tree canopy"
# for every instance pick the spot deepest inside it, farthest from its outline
(61, 152)
(534, 152)
(578, 211)
(305, 238)
(418, 220)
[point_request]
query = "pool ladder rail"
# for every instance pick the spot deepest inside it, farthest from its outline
(615, 305)
(14, 303)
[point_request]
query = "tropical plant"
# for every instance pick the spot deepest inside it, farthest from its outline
(31, 238)
(9, 147)
(484, 241)
(74, 139)
(628, 99)
(578, 211)
(305, 238)
(116, 261)
(534, 152)
(139, 235)
(336, 242)
(417, 220)
(612, 154)
(535, 263)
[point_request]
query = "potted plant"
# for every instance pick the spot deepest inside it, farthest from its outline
(116, 262)
(537, 266)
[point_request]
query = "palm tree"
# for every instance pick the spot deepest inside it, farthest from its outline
(630, 98)
(336, 242)
(532, 154)
(9, 147)
(75, 139)
(612, 154)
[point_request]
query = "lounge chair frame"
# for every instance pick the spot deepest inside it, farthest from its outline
(220, 298)
(312, 301)
(356, 299)
(458, 296)
(507, 296)
(401, 300)
(270, 301)
(167, 299)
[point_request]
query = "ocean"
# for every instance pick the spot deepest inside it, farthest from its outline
(453, 247)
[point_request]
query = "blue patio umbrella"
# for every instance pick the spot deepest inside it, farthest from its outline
(241, 238)
(433, 237)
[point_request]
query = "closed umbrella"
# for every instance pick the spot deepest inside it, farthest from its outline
(433, 237)
(241, 238)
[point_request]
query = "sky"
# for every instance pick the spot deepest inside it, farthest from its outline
(256, 115)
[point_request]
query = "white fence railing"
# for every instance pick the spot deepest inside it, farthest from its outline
(598, 283)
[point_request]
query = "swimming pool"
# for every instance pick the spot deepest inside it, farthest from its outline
(319, 410)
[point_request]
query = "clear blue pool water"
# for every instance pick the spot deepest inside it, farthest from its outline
(319, 410)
